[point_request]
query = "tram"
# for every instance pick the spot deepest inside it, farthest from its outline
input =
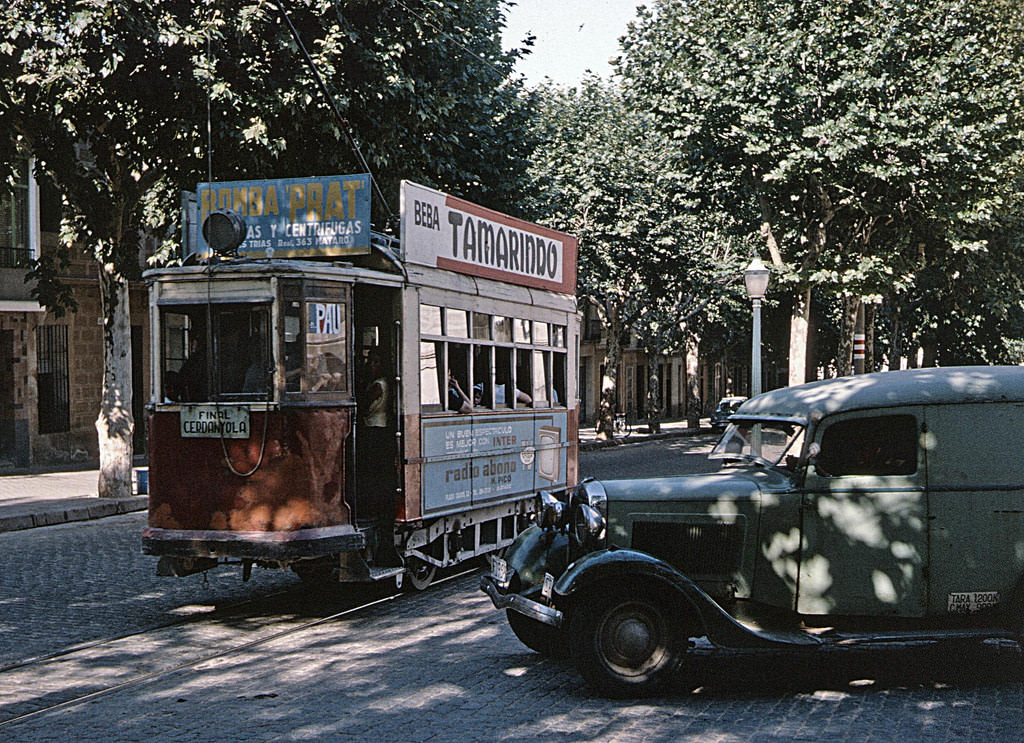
(353, 406)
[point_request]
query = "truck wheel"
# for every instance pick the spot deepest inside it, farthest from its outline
(624, 645)
(539, 637)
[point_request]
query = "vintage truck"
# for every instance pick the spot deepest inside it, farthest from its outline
(876, 508)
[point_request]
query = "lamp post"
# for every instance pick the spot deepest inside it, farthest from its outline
(755, 276)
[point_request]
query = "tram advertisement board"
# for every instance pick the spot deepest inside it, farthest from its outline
(443, 231)
(294, 217)
(473, 460)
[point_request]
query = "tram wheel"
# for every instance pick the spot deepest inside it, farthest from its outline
(420, 574)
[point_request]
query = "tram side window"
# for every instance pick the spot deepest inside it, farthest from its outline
(326, 347)
(458, 368)
(502, 377)
(558, 393)
(540, 375)
(432, 380)
(524, 371)
(293, 360)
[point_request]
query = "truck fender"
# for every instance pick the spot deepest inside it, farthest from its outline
(606, 568)
(537, 551)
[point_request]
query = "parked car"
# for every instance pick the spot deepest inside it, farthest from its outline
(726, 407)
(859, 510)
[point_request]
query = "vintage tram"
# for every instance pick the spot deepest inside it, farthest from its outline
(376, 417)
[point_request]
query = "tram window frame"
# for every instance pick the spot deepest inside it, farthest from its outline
(486, 351)
(191, 374)
(303, 371)
(233, 363)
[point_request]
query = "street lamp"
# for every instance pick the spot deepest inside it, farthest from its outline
(755, 276)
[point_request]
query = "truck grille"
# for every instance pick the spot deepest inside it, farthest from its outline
(694, 549)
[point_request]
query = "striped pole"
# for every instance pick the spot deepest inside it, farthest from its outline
(858, 340)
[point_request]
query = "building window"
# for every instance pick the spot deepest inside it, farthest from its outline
(52, 378)
(15, 243)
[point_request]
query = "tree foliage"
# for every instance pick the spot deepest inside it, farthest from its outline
(123, 105)
(867, 142)
(647, 262)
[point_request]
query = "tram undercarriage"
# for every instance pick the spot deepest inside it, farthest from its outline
(412, 552)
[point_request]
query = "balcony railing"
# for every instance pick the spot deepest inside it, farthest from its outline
(14, 257)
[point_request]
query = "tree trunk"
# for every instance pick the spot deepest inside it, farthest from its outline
(654, 390)
(844, 353)
(694, 408)
(610, 380)
(870, 365)
(799, 322)
(115, 425)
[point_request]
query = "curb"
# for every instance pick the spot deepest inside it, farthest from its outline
(593, 444)
(67, 511)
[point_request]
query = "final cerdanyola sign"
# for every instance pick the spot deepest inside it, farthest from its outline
(444, 231)
(295, 217)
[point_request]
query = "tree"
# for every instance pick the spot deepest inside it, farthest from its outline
(840, 132)
(645, 263)
(114, 100)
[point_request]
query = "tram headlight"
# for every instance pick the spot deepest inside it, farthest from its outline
(588, 526)
(552, 511)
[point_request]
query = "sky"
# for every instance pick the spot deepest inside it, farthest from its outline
(572, 36)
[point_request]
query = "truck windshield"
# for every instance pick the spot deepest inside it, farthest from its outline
(767, 441)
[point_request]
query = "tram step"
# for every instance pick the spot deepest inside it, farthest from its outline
(385, 573)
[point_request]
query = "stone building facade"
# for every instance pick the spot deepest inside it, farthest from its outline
(51, 366)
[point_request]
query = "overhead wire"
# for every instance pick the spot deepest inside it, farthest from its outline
(449, 37)
(346, 126)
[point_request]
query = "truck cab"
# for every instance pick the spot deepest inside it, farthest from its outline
(850, 510)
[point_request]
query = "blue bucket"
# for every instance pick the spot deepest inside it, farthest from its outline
(142, 481)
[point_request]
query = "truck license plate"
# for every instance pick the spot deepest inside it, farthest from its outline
(548, 587)
(499, 569)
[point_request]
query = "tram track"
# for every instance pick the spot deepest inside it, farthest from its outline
(231, 649)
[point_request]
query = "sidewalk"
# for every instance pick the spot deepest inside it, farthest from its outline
(48, 498)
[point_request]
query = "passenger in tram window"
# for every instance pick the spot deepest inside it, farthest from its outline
(457, 399)
(193, 372)
(172, 386)
(327, 373)
(499, 396)
(259, 374)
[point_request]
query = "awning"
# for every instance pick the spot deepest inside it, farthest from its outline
(20, 305)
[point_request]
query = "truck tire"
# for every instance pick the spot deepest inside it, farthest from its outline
(539, 637)
(624, 643)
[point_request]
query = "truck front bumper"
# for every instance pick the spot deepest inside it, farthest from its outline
(514, 602)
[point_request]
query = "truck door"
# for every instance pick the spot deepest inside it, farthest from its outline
(976, 501)
(864, 517)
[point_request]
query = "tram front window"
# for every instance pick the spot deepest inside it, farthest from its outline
(233, 360)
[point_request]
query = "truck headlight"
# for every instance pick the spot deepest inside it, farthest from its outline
(588, 526)
(552, 511)
(591, 492)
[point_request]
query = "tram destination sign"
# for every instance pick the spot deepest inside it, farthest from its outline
(294, 217)
(443, 231)
(214, 422)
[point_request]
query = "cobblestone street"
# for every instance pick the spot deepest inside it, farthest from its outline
(95, 647)
(439, 666)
